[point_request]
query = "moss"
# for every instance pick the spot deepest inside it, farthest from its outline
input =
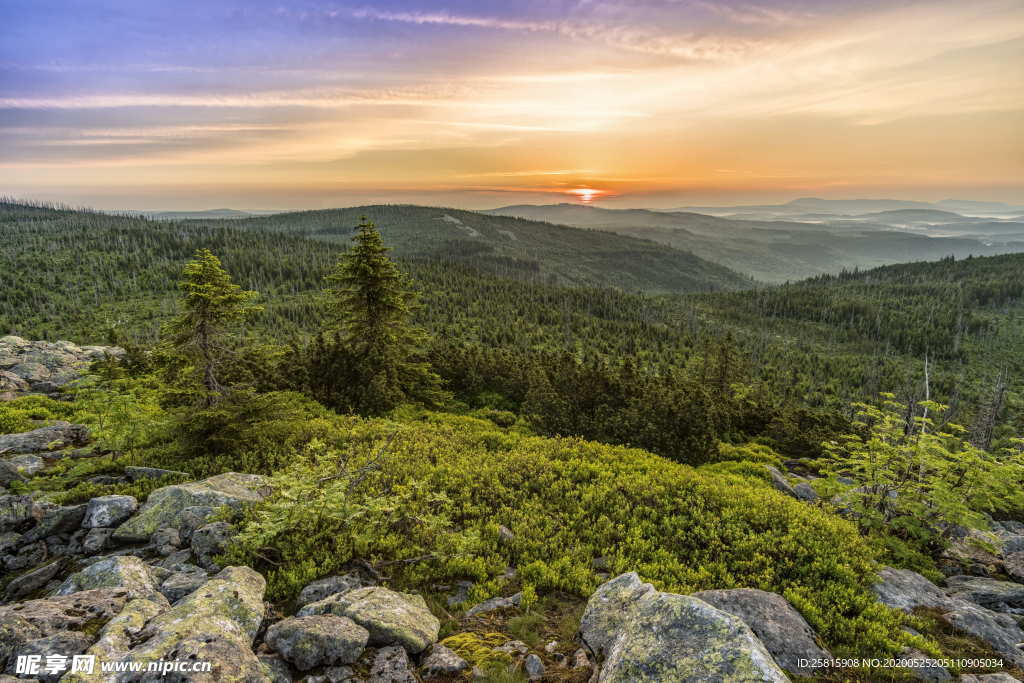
(478, 648)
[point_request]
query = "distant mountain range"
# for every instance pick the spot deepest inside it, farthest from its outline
(806, 244)
(855, 207)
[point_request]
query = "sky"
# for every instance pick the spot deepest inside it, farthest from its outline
(195, 104)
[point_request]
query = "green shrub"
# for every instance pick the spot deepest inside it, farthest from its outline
(428, 513)
(30, 412)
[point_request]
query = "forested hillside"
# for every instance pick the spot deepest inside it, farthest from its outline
(512, 247)
(378, 430)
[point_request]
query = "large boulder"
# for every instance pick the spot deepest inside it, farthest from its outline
(319, 640)
(391, 665)
(391, 618)
(59, 435)
(17, 513)
(784, 632)
(216, 623)
(74, 612)
(907, 590)
(328, 586)
(648, 636)
(1000, 631)
(164, 505)
(62, 643)
(41, 366)
(442, 662)
(107, 511)
(211, 540)
(123, 571)
(990, 593)
(66, 519)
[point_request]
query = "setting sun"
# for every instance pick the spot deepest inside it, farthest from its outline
(586, 194)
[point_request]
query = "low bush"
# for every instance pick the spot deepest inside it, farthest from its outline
(422, 503)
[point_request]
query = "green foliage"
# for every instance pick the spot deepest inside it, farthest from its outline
(526, 627)
(428, 515)
(124, 415)
(371, 358)
(30, 412)
(916, 479)
(478, 648)
(212, 305)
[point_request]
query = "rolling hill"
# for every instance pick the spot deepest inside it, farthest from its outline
(514, 247)
(780, 251)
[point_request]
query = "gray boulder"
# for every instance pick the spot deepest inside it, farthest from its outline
(390, 617)
(929, 669)
(211, 540)
(907, 590)
(991, 593)
(1000, 631)
(9, 473)
(1014, 566)
(67, 613)
(442, 662)
(216, 623)
(779, 482)
(533, 667)
(179, 584)
(165, 540)
(647, 636)
(988, 678)
(19, 512)
(55, 437)
(65, 643)
(328, 586)
(782, 630)
(165, 505)
(108, 511)
(28, 583)
(96, 540)
(125, 571)
(139, 473)
(391, 665)
(321, 640)
(495, 604)
(55, 521)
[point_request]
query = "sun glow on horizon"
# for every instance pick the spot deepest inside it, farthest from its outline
(586, 194)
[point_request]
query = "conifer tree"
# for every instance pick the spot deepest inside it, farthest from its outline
(376, 351)
(212, 306)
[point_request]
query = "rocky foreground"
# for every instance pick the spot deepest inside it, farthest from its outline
(130, 582)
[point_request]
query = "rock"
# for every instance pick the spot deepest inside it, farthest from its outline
(505, 534)
(14, 633)
(216, 623)
(60, 520)
(391, 665)
(275, 668)
(805, 492)
(108, 511)
(327, 586)
(62, 643)
(9, 473)
(988, 678)
(41, 366)
(514, 647)
(96, 540)
(1014, 565)
(26, 584)
(68, 613)
(138, 473)
(782, 630)
(28, 465)
(533, 667)
(320, 640)
(31, 555)
(991, 593)
(165, 540)
(929, 670)
(999, 631)
(580, 660)
(973, 548)
(441, 662)
(164, 505)
(779, 481)
(907, 590)
(209, 541)
(179, 584)
(495, 604)
(17, 513)
(390, 617)
(126, 572)
(59, 435)
(191, 518)
(646, 635)
(116, 637)
(602, 619)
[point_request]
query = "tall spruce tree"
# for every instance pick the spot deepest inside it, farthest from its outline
(212, 306)
(372, 357)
